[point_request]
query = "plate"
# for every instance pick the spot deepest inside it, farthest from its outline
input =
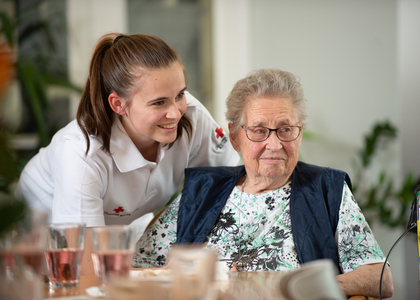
(152, 274)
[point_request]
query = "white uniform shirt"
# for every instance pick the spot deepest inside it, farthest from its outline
(117, 188)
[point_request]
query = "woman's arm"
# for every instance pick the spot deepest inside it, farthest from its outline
(360, 257)
(365, 281)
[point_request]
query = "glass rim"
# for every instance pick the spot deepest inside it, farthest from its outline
(68, 225)
(114, 227)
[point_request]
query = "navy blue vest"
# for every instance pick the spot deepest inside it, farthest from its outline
(314, 206)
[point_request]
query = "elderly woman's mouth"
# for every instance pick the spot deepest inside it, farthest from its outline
(272, 158)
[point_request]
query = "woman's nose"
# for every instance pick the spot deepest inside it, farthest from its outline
(273, 142)
(173, 111)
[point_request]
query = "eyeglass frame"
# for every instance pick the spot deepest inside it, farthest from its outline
(245, 128)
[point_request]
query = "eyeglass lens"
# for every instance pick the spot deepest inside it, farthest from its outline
(284, 133)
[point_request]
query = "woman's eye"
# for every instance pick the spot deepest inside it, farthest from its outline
(285, 129)
(259, 131)
(180, 95)
(159, 103)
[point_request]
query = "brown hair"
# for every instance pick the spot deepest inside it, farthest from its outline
(115, 67)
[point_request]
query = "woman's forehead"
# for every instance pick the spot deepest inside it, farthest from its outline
(267, 108)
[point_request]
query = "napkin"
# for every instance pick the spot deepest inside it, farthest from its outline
(94, 292)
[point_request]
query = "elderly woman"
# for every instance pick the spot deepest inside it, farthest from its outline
(275, 212)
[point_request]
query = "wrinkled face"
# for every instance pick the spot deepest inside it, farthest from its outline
(271, 158)
(155, 110)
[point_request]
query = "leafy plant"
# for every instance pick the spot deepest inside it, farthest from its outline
(35, 76)
(382, 200)
(33, 71)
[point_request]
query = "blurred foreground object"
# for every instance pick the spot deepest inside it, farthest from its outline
(315, 280)
(193, 271)
(22, 255)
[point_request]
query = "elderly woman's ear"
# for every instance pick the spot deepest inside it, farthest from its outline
(233, 137)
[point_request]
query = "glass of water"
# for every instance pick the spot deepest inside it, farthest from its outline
(64, 251)
(112, 253)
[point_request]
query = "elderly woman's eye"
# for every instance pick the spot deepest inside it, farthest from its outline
(259, 130)
(285, 129)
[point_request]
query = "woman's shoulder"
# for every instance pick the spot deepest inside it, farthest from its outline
(305, 167)
(195, 109)
(72, 136)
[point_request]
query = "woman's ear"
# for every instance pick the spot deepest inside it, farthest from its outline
(116, 103)
(233, 138)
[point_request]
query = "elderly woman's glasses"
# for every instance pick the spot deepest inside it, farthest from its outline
(260, 134)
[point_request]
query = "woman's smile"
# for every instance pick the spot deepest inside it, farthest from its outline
(170, 127)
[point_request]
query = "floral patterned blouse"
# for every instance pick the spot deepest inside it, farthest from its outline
(254, 231)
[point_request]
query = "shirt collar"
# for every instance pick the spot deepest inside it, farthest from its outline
(123, 151)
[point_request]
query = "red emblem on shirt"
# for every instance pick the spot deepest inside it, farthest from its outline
(219, 132)
(119, 209)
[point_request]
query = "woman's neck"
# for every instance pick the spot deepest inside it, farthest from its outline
(151, 152)
(148, 148)
(261, 184)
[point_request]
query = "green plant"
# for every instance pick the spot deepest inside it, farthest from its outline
(35, 76)
(33, 70)
(382, 200)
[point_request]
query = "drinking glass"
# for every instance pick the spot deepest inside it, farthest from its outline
(193, 271)
(22, 258)
(64, 251)
(112, 253)
(29, 242)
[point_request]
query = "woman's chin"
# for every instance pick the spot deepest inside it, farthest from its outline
(168, 139)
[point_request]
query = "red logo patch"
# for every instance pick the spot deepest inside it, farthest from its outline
(119, 209)
(219, 132)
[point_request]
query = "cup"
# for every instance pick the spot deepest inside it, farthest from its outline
(64, 251)
(193, 270)
(22, 258)
(30, 241)
(112, 253)
(315, 280)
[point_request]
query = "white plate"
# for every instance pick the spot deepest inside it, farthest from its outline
(152, 274)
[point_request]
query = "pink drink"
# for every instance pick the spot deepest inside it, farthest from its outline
(7, 259)
(33, 259)
(112, 263)
(64, 266)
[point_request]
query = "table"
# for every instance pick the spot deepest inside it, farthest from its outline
(241, 285)
(246, 285)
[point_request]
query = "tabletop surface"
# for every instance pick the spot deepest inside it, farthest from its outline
(240, 285)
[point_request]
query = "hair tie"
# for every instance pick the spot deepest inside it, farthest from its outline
(116, 39)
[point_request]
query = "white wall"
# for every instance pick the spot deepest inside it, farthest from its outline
(231, 50)
(87, 21)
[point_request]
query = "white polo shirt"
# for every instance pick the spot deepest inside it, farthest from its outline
(117, 188)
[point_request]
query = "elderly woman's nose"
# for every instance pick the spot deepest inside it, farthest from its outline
(273, 142)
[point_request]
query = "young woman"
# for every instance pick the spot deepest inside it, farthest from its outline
(137, 129)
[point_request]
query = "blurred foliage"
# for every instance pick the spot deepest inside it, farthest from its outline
(33, 71)
(383, 200)
(34, 75)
